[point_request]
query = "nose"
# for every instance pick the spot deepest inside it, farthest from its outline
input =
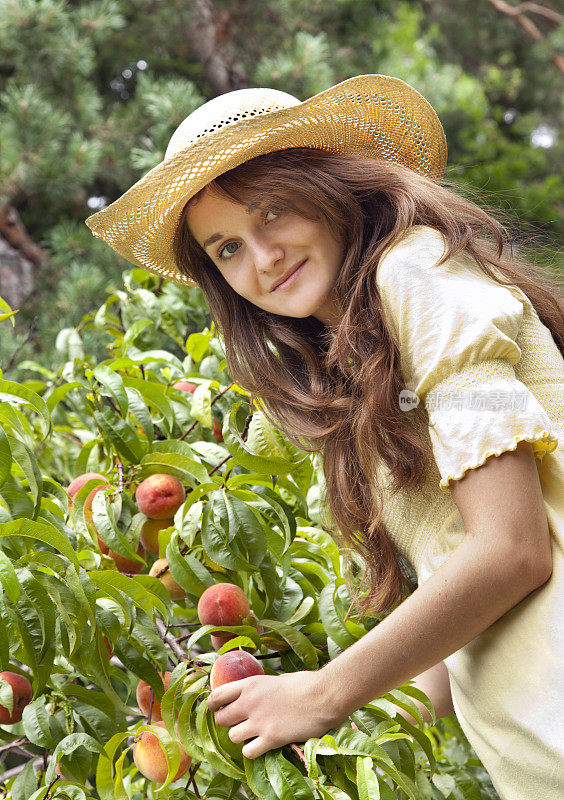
(266, 254)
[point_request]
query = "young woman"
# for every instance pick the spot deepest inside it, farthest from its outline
(384, 321)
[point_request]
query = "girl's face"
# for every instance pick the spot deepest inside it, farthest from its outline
(255, 248)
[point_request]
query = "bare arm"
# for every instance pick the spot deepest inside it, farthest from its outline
(504, 556)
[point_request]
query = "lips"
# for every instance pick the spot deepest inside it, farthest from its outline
(286, 275)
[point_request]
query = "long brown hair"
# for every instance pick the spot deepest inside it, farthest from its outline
(339, 396)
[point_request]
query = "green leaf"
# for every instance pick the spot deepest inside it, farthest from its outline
(43, 533)
(14, 393)
(104, 770)
(211, 753)
(8, 578)
(103, 520)
(187, 731)
(218, 546)
(242, 524)
(27, 462)
(366, 779)
(244, 455)
(112, 384)
(5, 456)
(257, 778)
(332, 622)
(35, 720)
(131, 587)
(286, 779)
(153, 394)
(299, 643)
(121, 434)
(186, 570)
(201, 403)
(59, 393)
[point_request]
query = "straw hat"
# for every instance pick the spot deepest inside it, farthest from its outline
(373, 114)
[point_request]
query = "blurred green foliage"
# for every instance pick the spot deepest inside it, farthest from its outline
(90, 93)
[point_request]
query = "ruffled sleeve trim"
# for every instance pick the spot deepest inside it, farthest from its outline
(543, 442)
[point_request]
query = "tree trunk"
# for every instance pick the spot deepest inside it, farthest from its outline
(20, 258)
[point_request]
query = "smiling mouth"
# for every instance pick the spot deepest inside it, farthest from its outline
(289, 277)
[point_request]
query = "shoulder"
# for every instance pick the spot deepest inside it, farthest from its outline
(409, 272)
(413, 255)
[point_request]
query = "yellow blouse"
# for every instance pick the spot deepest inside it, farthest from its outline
(489, 375)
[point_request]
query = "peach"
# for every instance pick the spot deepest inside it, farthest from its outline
(22, 692)
(160, 496)
(185, 386)
(150, 759)
(78, 482)
(175, 591)
(143, 694)
(233, 666)
(149, 536)
(124, 564)
(223, 604)
(217, 431)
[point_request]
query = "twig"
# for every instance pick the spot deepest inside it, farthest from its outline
(169, 639)
(300, 753)
(192, 779)
(516, 13)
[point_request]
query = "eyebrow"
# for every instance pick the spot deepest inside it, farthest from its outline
(212, 239)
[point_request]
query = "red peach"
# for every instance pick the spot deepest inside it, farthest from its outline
(160, 496)
(233, 666)
(149, 536)
(223, 604)
(143, 694)
(22, 692)
(124, 564)
(78, 482)
(185, 386)
(175, 591)
(150, 759)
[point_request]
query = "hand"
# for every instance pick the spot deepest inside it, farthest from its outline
(273, 710)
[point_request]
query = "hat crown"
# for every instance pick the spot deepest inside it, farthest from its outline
(224, 110)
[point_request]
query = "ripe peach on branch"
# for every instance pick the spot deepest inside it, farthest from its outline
(150, 759)
(143, 695)
(127, 565)
(22, 694)
(149, 536)
(160, 496)
(224, 604)
(234, 666)
(175, 591)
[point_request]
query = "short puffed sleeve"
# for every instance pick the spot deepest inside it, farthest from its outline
(457, 331)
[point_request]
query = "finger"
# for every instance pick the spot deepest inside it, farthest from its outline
(240, 733)
(224, 694)
(229, 715)
(255, 748)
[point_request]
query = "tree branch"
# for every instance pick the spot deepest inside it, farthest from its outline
(516, 13)
(210, 45)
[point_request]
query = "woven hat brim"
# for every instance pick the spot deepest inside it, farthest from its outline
(374, 114)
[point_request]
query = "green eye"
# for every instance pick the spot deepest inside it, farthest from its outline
(230, 253)
(274, 213)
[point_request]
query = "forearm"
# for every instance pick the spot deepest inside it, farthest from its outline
(474, 587)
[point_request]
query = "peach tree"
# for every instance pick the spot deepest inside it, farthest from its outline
(132, 489)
